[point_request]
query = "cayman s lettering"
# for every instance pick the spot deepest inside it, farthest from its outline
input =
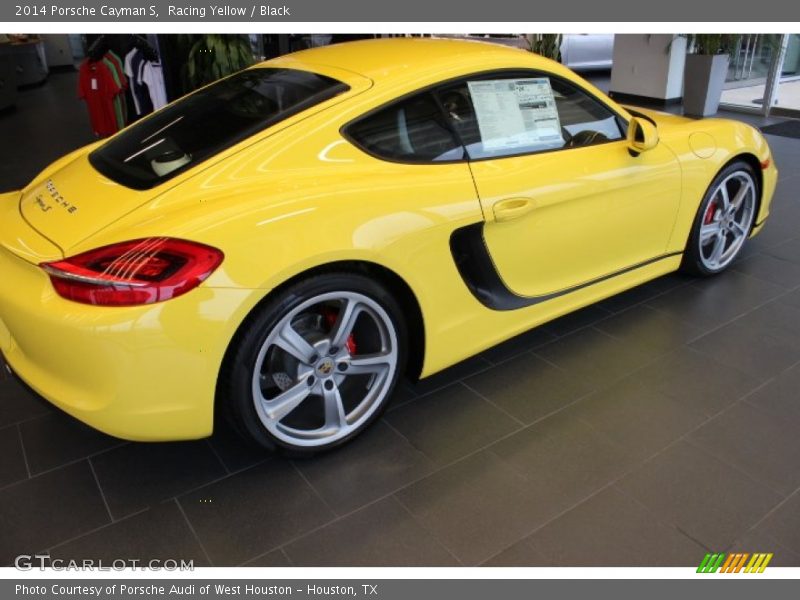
(42, 204)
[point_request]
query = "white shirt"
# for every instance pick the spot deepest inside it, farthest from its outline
(153, 76)
(129, 72)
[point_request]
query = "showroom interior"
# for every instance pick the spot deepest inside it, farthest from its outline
(647, 429)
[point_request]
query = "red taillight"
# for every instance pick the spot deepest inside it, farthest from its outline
(135, 272)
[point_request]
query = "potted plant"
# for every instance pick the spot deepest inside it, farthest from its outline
(546, 44)
(706, 68)
(210, 57)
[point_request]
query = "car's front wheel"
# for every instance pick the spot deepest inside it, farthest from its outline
(724, 220)
(316, 365)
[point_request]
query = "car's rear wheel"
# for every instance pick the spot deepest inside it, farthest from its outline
(316, 365)
(724, 221)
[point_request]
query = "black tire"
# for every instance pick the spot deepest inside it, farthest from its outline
(694, 262)
(236, 396)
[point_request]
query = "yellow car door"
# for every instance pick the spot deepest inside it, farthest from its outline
(565, 202)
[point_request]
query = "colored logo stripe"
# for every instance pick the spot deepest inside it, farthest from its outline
(711, 563)
(734, 562)
(758, 563)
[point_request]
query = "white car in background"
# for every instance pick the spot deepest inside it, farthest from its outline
(579, 51)
(587, 51)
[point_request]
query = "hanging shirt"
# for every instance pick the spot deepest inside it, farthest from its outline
(116, 61)
(112, 56)
(153, 77)
(97, 86)
(117, 100)
(141, 95)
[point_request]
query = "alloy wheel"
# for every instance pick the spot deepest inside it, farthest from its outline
(325, 368)
(727, 220)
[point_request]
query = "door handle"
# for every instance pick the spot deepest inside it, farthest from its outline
(512, 208)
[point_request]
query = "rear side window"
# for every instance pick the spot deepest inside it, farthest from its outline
(207, 122)
(412, 130)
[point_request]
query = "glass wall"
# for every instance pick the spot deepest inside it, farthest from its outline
(788, 93)
(749, 68)
(760, 60)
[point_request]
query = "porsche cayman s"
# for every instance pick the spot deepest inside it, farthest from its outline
(280, 247)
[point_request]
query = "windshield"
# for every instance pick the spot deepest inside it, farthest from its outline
(203, 124)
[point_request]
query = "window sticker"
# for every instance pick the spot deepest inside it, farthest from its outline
(516, 113)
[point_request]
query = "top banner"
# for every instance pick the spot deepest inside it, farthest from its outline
(407, 11)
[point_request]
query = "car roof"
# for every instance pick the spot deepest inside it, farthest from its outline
(387, 58)
(401, 65)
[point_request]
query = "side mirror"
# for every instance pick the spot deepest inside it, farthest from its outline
(642, 136)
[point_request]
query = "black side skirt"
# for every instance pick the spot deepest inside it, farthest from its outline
(480, 275)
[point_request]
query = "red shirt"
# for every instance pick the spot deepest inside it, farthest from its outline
(97, 87)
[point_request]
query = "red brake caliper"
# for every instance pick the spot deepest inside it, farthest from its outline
(709, 216)
(330, 316)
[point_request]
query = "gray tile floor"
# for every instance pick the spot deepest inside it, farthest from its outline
(645, 430)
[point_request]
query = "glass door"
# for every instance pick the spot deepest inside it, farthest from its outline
(748, 71)
(764, 75)
(787, 94)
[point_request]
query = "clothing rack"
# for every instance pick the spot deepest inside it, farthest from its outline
(98, 49)
(141, 43)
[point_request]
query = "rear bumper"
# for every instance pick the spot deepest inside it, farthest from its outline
(140, 373)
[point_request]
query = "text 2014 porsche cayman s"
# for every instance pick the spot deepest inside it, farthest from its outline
(283, 245)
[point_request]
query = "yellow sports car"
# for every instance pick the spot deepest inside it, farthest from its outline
(281, 246)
